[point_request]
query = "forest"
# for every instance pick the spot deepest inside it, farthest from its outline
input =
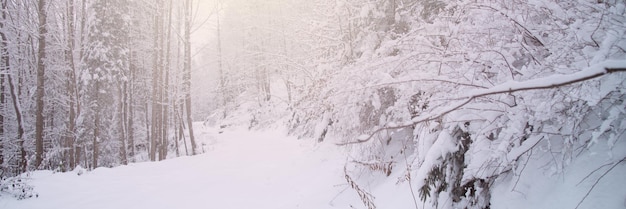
(452, 98)
(93, 83)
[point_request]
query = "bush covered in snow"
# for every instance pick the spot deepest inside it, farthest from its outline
(17, 187)
(460, 96)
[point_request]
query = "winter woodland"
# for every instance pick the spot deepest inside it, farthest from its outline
(466, 103)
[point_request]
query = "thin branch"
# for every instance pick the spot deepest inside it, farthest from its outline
(595, 30)
(592, 172)
(427, 80)
(510, 18)
(408, 173)
(544, 83)
(598, 180)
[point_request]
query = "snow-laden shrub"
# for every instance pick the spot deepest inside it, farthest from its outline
(17, 187)
(461, 146)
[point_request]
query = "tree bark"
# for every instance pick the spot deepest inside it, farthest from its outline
(5, 68)
(96, 133)
(187, 74)
(20, 125)
(71, 90)
(156, 88)
(39, 94)
(121, 124)
(167, 69)
(129, 106)
(181, 130)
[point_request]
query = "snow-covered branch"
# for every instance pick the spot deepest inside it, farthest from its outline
(553, 81)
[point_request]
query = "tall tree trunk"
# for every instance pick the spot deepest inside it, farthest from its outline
(4, 69)
(187, 74)
(181, 130)
(71, 90)
(177, 104)
(176, 133)
(41, 56)
(129, 106)
(128, 96)
(167, 67)
(96, 132)
(80, 149)
(121, 124)
(156, 88)
(20, 125)
(148, 128)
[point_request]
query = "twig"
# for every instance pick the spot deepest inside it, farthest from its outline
(595, 30)
(523, 168)
(598, 180)
(365, 196)
(408, 173)
(592, 172)
(511, 19)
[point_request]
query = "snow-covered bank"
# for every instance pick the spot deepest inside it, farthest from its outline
(241, 169)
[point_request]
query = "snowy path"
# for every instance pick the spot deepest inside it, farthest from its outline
(242, 170)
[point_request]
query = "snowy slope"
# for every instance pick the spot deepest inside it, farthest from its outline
(241, 169)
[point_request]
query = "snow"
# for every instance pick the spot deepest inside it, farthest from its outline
(444, 144)
(533, 187)
(243, 169)
(267, 169)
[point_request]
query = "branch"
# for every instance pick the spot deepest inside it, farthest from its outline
(553, 81)
(548, 82)
(427, 80)
(598, 180)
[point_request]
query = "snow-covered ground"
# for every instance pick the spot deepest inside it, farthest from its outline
(247, 169)
(241, 169)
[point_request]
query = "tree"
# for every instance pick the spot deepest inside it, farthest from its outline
(106, 70)
(71, 88)
(41, 68)
(4, 66)
(187, 72)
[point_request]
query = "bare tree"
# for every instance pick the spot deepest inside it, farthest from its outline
(187, 73)
(4, 67)
(41, 68)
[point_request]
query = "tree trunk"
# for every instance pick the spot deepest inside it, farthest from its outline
(41, 56)
(187, 74)
(96, 128)
(176, 135)
(130, 123)
(156, 89)
(181, 130)
(70, 137)
(129, 101)
(167, 67)
(4, 68)
(20, 125)
(148, 128)
(80, 145)
(121, 125)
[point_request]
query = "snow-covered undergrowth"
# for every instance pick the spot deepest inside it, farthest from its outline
(477, 104)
